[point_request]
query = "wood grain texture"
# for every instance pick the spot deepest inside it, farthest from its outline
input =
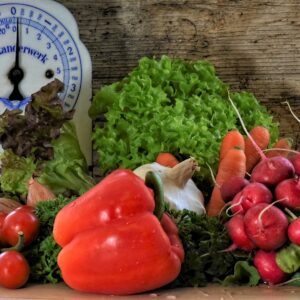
(254, 45)
(211, 292)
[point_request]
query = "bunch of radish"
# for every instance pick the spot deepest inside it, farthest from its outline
(261, 207)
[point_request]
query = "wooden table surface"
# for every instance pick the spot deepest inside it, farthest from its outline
(214, 292)
(254, 45)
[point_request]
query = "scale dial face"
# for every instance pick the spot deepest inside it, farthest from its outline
(41, 40)
(47, 50)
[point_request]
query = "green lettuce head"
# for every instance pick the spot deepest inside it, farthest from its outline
(169, 106)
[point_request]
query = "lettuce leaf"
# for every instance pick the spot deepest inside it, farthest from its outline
(30, 134)
(169, 106)
(42, 143)
(68, 169)
(16, 172)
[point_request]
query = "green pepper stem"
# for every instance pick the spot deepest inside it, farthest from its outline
(19, 246)
(153, 181)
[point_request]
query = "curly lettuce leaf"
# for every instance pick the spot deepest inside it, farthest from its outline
(169, 106)
(30, 134)
(244, 274)
(16, 172)
(68, 170)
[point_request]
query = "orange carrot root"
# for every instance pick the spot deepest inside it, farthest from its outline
(283, 143)
(233, 164)
(261, 136)
(233, 139)
(166, 159)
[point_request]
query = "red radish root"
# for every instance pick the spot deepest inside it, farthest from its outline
(266, 226)
(265, 263)
(251, 194)
(236, 231)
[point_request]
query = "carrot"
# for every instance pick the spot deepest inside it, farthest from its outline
(282, 143)
(232, 139)
(233, 164)
(166, 159)
(261, 137)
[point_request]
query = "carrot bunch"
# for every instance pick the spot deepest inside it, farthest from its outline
(232, 163)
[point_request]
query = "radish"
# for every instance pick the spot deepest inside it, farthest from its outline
(294, 231)
(250, 195)
(269, 171)
(294, 228)
(296, 163)
(266, 226)
(265, 263)
(289, 191)
(232, 186)
(236, 231)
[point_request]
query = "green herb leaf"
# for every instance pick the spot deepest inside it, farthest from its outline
(203, 240)
(244, 274)
(42, 254)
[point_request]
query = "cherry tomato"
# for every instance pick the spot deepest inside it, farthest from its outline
(20, 220)
(14, 269)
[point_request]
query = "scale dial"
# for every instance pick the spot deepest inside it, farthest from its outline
(45, 35)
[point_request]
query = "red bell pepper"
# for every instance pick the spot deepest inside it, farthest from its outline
(113, 243)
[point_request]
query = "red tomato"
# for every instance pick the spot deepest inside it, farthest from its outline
(14, 269)
(20, 220)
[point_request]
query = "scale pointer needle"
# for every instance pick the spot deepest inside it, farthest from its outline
(16, 74)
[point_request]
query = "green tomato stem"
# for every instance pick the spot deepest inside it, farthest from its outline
(19, 246)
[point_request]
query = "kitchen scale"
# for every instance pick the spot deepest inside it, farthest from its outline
(39, 41)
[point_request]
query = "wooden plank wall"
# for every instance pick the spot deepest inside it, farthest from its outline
(254, 45)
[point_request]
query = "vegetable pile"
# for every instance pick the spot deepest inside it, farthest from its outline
(169, 126)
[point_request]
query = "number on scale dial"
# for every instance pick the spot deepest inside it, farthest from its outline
(46, 49)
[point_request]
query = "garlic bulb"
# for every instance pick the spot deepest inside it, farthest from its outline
(180, 190)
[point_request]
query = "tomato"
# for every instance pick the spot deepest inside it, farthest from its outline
(14, 269)
(20, 220)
